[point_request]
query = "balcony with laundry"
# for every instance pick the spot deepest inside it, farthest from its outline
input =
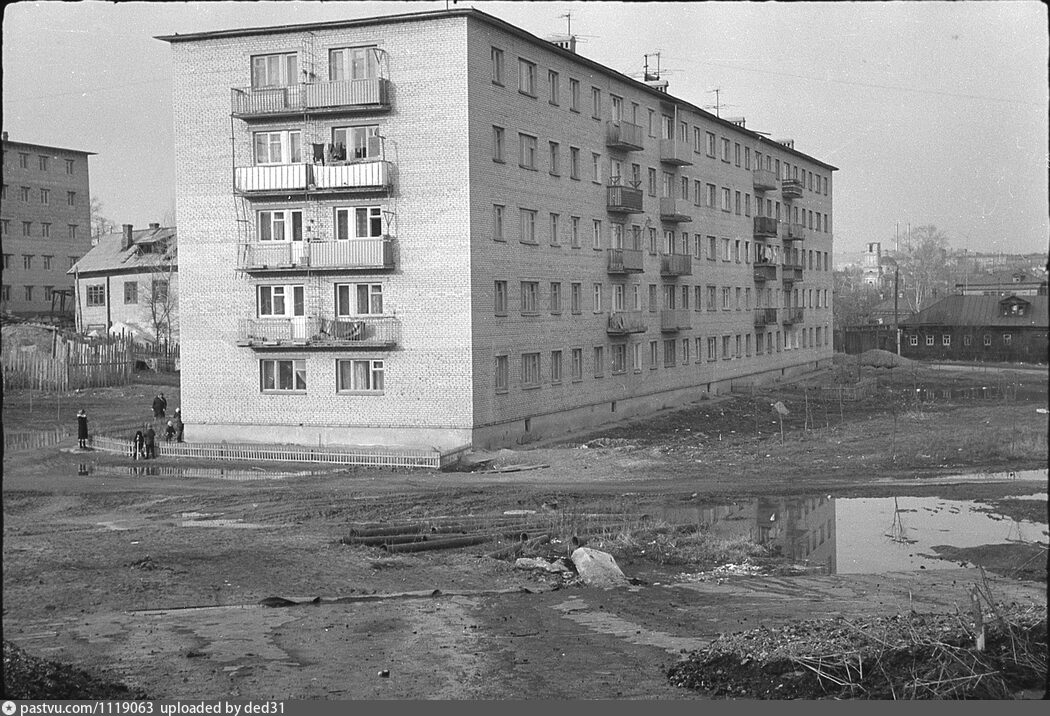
(791, 189)
(624, 261)
(319, 332)
(765, 227)
(621, 199)
(369, 254)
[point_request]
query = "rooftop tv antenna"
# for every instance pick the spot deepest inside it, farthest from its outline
(568, 23)
(717, 106)
(655, 75)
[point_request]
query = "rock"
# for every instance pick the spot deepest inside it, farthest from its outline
(598, 569)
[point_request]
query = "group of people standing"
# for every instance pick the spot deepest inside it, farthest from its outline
(145, 442)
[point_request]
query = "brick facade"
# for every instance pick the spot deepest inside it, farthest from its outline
(438, 134)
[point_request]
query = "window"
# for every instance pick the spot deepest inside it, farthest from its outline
(72, 261)
(27, 228)
(652, 298)
(596, 103)
(96, 295)
(29, 293)
(685, 351)
(555, 229)
(72, 231)
(497, 66)
(599, 361)
(619, 358)
(747, 157)
(71, 198)
(736, 154)
(23, 193)
(1007, 339)
(131, 292)
(617, 235)
(45, 196)
(279, 70)
(497, 144)
(726, 297)
(711, 192)
(739, 305)
(45, 230)
(698, 294)
(574, 95)
(725, 150)
(698, 142)
(355, 299)
(555, 159)
(725, 249)
(725, 198)
(526, 77)
(576, 363)
(699, 344)
(555, 367)
(712, 292)
(356, 142)
(574, 235)
(652, 182)
(359, 376)
(636, 356)
(530, 370)
(555, 297)
(353, 63)
(69, 167)
(597, 298)
(43, 162)
(929, 340)
(987, 339)
(7, 261)
(526, 151)
(530, 297)
(502, 373)
(725, 348)
(23, 160)
(500, 298)
(596, 237)
(283, 375)
(736, 250)
(747, 205)
(669, 352)
(654, 355)
(666, 127)
(497, 222)
(575, 297)
(281, 225)
(528, 226)
(596, 167)
(652, 241)
(5, 226)
(619, 297)
(617, 107)
(282, 147)
(553, 86)
(574, 163)
(48, 292)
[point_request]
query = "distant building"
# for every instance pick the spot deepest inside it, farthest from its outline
(45, 222)
(1002, 283)
(128, 282)
(982, 328)
(872, 266)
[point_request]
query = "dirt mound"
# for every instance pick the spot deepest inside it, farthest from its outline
(882, 359)
(843, 359)
(32, 678)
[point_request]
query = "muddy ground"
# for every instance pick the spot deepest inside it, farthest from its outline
(154, 581)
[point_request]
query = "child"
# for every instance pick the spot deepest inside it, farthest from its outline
(169, 432)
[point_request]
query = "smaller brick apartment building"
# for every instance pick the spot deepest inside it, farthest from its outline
(436, 229)
(45, 224)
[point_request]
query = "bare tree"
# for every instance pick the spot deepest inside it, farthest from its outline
(924, 267)
(162, 300)
(100, 225)
(855, 300)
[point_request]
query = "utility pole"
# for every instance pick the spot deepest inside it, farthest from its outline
(896, 294)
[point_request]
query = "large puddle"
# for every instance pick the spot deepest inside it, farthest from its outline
(864, 535)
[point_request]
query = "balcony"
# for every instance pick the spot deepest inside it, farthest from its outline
(277, 179)
(315, 98)
(319, 332)
(791, 189)
(795, 232)
(765, 180)
(675, 319)
(765, 317)
(792, 315)
(624, 136)
(791, 273)
(350, 255)
(623, 261)
(765, 227)
(676, 265)
(623, 199)
(765, 272)
(622, 323)
(675, 152)
(669, 211)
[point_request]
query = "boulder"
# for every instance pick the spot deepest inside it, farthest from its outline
(597, 568)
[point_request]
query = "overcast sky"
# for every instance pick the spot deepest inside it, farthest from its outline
(935, 113)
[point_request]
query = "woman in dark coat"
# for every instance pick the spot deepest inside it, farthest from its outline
(82, 428)
(179, 425)
(138, 449)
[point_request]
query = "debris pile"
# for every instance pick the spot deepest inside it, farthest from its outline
(29, 677)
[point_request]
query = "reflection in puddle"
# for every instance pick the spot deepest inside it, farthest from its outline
(184, 472)
(27, 439)
(861, 535)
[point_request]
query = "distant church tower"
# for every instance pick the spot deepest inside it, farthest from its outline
(873, 268)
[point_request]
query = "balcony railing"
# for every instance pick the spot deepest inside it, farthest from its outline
(765, 272)
(791, 273)
(367, 254)
(676, 265)
(319, 332)
(792, 315)
(765, 180)
(675, 319)
(311, 98)
(625, 261)
(622, 323)
(674, 152)
(625, 136)
(765, 226)
(765, 316)
(796, 232)
(372, 175)
(791, 188)
(669, 211)
(624, 199)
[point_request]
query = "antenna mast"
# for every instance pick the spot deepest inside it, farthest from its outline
(655, 76)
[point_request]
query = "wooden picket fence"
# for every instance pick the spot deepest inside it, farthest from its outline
(857, 391)
(365, 456)
(73, 365)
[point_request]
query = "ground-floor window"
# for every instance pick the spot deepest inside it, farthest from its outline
(96, 295)
(669, 353)
(946, 340)
(967, 340)
(283, 375)
(725, 348)
(712, 349)
(576, 363)
(987, 339)
(359, 376)
(530, 370)
(502, 374)
(555, 367)
(1007, 338)
(929, 340)
(619, 358)
(913, 340)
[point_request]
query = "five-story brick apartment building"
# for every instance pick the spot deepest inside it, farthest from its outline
(45, 217)
(438, 229)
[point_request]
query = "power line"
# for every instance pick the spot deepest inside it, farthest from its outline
(86, 91)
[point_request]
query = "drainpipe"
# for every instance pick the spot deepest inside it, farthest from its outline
(109, 303)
